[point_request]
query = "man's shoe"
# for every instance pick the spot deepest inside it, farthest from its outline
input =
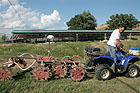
(118, 71)
(113, 68)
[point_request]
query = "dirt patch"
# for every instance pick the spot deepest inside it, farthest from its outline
(38, 45)
(60, 46)
(99, 45)
(2, 60)
(43, 44)
(5, 45)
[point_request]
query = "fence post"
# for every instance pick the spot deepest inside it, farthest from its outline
(105, 38)
(76, 37)
(130, 36)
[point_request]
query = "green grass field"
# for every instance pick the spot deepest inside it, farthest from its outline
(24, 83)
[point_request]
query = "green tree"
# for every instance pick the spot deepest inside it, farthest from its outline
(84, 21)
(4, 37)
(129, 21)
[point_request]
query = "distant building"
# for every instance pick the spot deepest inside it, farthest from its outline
(65, 35)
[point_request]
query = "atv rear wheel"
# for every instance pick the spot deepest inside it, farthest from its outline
(133, 71)
(103, 72)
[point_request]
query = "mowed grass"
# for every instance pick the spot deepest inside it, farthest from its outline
(24, 83)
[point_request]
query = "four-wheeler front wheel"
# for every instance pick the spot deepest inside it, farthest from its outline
(103, 72)
(133, 71)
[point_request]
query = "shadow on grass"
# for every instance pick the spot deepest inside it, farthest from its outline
(87, 77)
(128, 85)
(122, 74)
(21, 75)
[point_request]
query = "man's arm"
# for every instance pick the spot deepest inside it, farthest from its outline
(119, 43)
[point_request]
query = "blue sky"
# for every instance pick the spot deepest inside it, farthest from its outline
(58, 12)
(101, 9)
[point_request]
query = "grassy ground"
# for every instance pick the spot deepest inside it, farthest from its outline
(24, 83)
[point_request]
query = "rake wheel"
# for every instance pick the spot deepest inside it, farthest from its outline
(61, 71)
(41, 73)
(77, 73)
(5, 74)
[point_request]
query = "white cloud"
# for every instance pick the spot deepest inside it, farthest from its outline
(48, 20)
(32, 19)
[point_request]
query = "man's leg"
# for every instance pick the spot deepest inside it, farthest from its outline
(111, 50)
(107, 52)
(113, 54)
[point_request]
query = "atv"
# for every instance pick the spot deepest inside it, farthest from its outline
(101, 63)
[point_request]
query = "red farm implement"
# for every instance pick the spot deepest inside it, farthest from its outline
(43, 68)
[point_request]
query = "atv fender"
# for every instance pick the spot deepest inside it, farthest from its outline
(104, 60)
(131, 59)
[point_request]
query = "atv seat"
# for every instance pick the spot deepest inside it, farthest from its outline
(92, 51)
(106, 54)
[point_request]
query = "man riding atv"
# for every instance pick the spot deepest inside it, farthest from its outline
(114, 41)
(104, 66)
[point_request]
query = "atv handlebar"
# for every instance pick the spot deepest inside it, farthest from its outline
(118, 47)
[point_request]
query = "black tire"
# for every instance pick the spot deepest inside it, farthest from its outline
(103, 72)
(132, 71)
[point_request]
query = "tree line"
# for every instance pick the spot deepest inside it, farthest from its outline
(86, 21)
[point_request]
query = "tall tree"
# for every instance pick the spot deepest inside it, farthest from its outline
(84, 21)
(129, 21)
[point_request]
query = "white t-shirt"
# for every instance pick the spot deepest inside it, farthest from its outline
(112, 40)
